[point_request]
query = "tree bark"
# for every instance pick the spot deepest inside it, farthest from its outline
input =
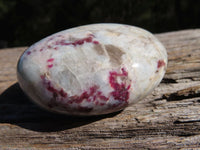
(169, 118)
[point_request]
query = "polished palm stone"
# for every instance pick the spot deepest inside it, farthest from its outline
(93, 69)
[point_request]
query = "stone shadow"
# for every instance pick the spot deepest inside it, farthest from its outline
(16, 108)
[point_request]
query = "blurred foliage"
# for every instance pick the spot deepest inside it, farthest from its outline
(23, 22)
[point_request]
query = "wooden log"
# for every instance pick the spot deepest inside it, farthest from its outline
(169, 118)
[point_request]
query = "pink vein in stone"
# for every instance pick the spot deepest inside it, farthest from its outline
(121, 90)
(160, 64)
(51, 88)
(28, 53)
(93, 94)
(50, 62)
(95, 42)
(54, 41)
(31, 51)
(50, 66)
(77, 42)
(46, 45)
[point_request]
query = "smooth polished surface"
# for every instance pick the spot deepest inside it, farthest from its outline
(91, 70)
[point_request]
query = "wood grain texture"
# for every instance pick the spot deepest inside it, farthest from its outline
(169, 118)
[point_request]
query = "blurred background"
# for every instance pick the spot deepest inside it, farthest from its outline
(23, 22)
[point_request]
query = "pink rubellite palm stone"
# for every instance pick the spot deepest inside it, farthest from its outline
(93, 69)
